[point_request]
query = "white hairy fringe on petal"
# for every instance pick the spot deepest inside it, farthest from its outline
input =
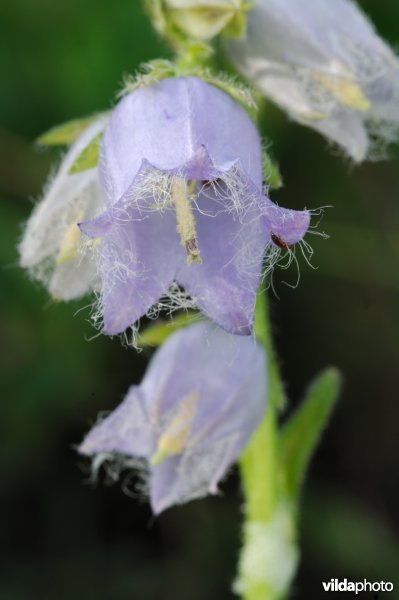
(133, 472)
(174, 300)
(152, 192)
(323, 63)
(52, 230)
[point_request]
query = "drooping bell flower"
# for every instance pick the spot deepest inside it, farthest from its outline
(203, 395)
(322, 62)
(51, 246)
(181, 170)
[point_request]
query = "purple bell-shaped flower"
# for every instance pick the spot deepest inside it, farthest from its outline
(203, 395)
(181, 170)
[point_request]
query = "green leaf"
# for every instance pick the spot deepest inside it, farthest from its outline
(66, 133)
(88, 158)
(155, 335)
(271, 171)
(302, 433)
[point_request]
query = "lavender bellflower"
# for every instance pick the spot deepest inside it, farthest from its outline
(322, 62)
(200, 400)
(181, 171)
(51, 247)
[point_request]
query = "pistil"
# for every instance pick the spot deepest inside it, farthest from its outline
(174, 438)
(185, 221)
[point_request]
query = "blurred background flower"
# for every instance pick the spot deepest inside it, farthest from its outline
(324, 64)
(59, 538)
(51, 246)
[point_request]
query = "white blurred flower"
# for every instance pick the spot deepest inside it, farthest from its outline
(51, 246)
(322, 62)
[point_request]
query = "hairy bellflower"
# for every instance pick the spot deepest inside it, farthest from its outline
(322, 62)
(51, 244)
(202, 396)
(181, 171)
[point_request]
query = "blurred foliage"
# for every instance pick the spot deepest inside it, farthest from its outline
(60, 539)
(301, 434)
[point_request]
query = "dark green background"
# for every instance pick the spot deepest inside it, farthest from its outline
(61, 539)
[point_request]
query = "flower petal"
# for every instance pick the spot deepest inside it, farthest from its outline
(51, 246)
(231, 401)
(66, 196)
(125, 431)
(139, 254)
(290, 226)
(161, 481)
(167, 123)
(194, 475)
(225, 284)
(74, 278)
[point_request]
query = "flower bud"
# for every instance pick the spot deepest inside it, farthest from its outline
(204, 19)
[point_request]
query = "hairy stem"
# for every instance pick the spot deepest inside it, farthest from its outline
(268, 556)
(258, 462)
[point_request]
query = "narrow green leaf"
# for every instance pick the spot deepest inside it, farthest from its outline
(302, 433)
(155, 335)
(88, 158)
(66, 133)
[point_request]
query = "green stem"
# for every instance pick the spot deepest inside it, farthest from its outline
(258, 462)
(266, 520)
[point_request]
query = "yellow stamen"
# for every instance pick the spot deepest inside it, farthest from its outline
(69, 244)
(311, 115)
(174, 438)
(185, 219)
(345, 89)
